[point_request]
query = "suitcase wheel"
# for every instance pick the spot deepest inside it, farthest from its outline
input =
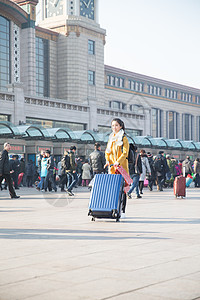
(93, 219)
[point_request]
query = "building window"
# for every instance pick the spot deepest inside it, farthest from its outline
(172, 125)
(136, 86)
(117, 105)
(138, 109)
(134, 132)
(55, 124)
(186, 97)
(4, 117)
(187, 126)
(198, 124)
(197, 99)
(115, 81)
(4, 52)
(91, 77)
(154, 90)
(172, 94)
(91, 47)
(42, 67)
(157, 122)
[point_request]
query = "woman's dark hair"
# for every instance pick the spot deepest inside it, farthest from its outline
(142, 153)
(120, 122)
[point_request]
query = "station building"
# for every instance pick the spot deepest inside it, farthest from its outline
(53, 76)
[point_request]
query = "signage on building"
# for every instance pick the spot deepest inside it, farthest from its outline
(41, 148)
(17, 148)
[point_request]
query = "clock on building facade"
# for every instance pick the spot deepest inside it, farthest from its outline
(57, 8)
(53, 8)
(87, 9)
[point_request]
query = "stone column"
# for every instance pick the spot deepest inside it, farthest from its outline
(19, 116)
(147, 122)
(28, 60)
(93, 124)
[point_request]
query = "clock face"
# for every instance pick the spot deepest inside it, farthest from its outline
(53, 8)
(87, 8)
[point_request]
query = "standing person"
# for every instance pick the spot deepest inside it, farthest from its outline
(43, 172)
(65, 165)
(29, 173)
(145, 168)
(168, 174)
(152, 177)
(135, 170)
(86, 175)
(72, 177)
(197, 172)
(97, 160)
(161, 169)
(23, 170)
(117, 152)
(15, 166)
(5, 170)
(79, 170)
(187, 164)
(50, 170)
(39, 159)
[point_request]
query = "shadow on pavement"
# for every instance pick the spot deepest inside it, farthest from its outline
(55, 234)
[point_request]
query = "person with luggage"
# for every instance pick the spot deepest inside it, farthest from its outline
(117, 152)
(187, 164)
(5, 170)
(135, 170)
(97, 160)
(145, 168)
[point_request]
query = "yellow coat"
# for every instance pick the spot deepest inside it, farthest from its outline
(122, 158)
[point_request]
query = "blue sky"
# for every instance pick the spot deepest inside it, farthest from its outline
(159, 38)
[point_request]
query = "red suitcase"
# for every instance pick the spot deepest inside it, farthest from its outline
(179, 187)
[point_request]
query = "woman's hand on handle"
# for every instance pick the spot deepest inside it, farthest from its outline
(116, 164)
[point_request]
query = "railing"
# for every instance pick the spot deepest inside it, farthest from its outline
(120, 114)
(55, 103)
(7, 96)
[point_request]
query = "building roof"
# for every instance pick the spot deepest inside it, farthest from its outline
(151, 80)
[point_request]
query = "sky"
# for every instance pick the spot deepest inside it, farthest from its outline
(158, 38)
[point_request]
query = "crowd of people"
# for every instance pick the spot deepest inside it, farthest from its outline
(71, 171)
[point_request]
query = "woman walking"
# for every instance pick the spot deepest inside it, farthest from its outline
(117, 152)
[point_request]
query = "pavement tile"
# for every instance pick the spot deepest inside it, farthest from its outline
(55, 252)
(176, 289)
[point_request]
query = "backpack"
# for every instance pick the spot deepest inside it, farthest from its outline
(159, 164)
(65, 163)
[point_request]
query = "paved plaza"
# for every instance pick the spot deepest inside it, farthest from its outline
(50, 249)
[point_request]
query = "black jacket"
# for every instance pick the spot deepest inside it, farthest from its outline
(97, 161)
(30, 169)
(50, 163)
(134, 163)
(4, 163)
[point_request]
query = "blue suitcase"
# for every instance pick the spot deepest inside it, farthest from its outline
(106, 196)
